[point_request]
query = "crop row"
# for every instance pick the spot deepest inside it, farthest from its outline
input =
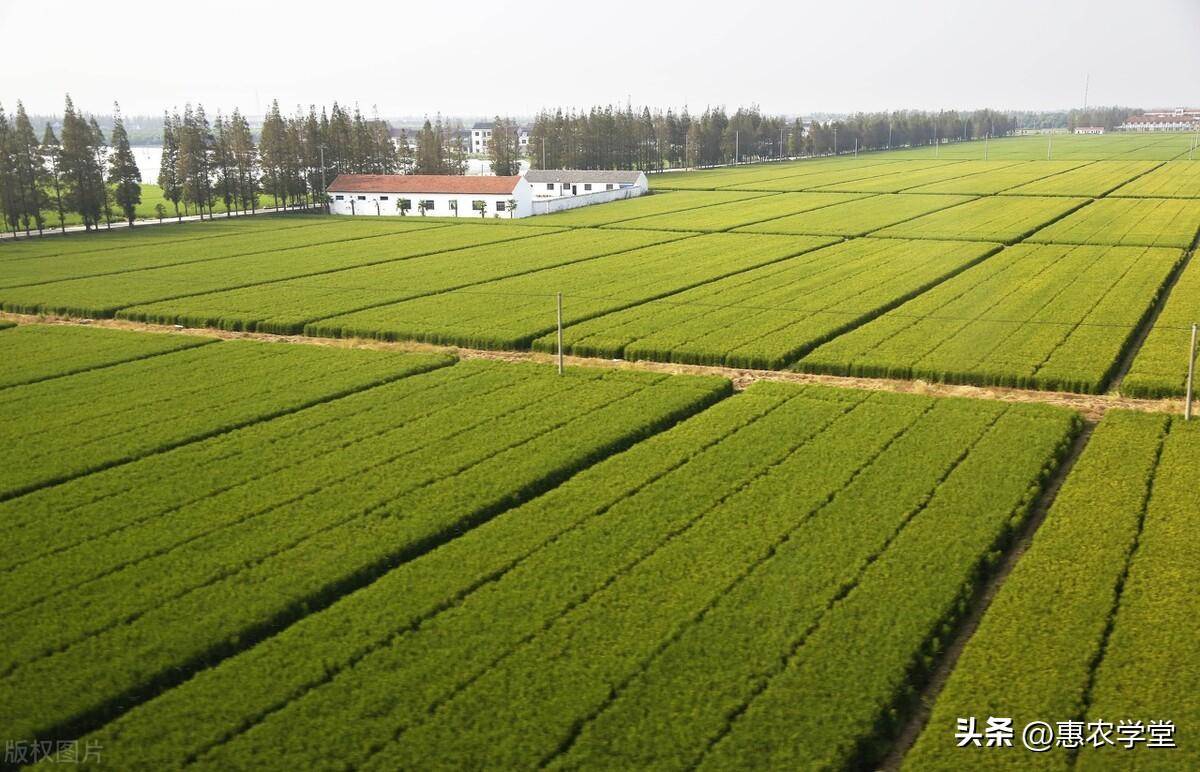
(900, 180)
(769, 316)
(1148, 222)
(510, 313)
(1050, 317)
(547, 626)
(255, 558)
(642, 206)
(1059, 147)
(285, 306)
(857, 217)
(104, 295)
(845, 170)
(1161, 365)
(50, 351)
(234, 244)
(734, 176)
(1004, 176)
(69, 426)
(1174, 179)
(1006, 219)
(131, 238)
(1094, 179)
(723, 217)
(1093, 621)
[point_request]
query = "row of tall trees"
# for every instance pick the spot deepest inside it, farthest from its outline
(608, 137)
(84, 172)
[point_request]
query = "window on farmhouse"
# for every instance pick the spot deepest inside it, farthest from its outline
(383, 198)
(427, 205)
(587, 186)
(500, 206)
(610, 187)
(339, 197)
(362, 198)
(549, 186)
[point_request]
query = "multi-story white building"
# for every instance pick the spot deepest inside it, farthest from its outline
(481, 137)
(552, 183)
(1179, 119)
(430, 195)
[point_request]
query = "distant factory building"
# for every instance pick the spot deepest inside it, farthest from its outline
(430, 195)
(1089, 129)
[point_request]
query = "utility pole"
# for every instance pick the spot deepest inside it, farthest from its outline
(737, 147)
(889, 133)
(985, 148)
(560, 345)
(543, 152)
(835, 139)
(1187, 405)
(781, 142)
(856, 147)
(1049, 144)
(1087, 81)
(324, 195)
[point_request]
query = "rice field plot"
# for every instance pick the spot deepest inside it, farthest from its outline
(1097, 619)
(1095, 179)
(1151, 222)
(857, 217)
(642, 206)
(723, 217)
(1174, 179)
(818, 516)
(770, 316)
(102, 296)
(511, 313)
(711, 179)
(994, 181)
(69, 426)
(1046, 317)
(75, 243)
(37, 352)
(1160, 367)
(1052, 147)
(243, 245)
(162, 565)
(846, 172)
(899, 181)
(286, 306)
(1006, 219)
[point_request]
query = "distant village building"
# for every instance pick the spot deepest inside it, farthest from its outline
(431, 195)
(553, 183)
(1089, 129)
(1179, 119)
(481, 137)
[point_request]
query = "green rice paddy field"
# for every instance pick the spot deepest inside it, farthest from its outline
(323, 552)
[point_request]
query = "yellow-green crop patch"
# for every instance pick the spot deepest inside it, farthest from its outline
(857, 217)
(771, 315)
(992, 181)
(723, 217)
(898, 181)
(993, 218)
(1152, 222)
(642, 206)
(286, 306)
(1048, 317)
(1161, 366)
(104, 295)
(510, 313)
(846, 172)
(1094, 179)
(1174, 179)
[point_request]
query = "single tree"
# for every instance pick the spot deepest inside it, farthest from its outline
(160, 210)
(168, 170)
(52, 151)
(32, 178)
(123, 170)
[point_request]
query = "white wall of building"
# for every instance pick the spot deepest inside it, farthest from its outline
(562, 203)
(544, 190)
(442, 204)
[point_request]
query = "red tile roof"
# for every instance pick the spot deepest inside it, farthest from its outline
(422, 183)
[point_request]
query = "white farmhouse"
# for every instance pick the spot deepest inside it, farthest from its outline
(552, 183)
(432, 195)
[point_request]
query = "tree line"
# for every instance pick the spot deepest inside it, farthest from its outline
(610, 137)
(83, 172)
(204, 163)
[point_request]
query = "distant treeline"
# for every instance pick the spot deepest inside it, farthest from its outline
(607, 137)
(203, 163)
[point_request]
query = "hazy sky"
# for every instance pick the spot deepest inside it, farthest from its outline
(494, 56)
